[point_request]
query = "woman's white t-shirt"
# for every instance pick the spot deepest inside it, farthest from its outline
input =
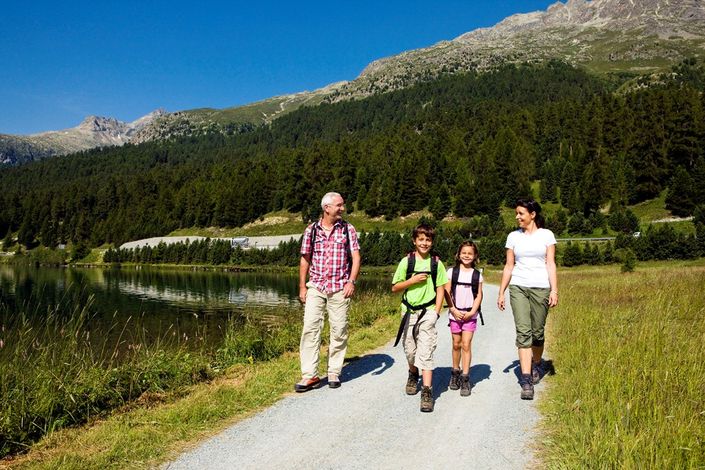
(530, 257)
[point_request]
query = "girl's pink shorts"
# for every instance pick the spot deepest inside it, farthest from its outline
(456, 327)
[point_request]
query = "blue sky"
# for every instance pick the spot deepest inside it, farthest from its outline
(63, 61)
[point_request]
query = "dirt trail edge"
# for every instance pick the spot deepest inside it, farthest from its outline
(370, 423)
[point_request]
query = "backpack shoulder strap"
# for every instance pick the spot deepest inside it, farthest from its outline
(475, 286)
(454, 280)
(410, 264)
(475, 283)
(348, 244)
(314, 234)
(434, 270)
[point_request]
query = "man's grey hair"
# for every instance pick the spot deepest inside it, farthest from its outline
(328, 199)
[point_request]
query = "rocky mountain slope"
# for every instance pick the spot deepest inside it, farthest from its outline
(93, 132)
(606, 36)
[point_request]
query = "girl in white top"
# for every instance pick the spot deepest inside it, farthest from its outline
(530, 273)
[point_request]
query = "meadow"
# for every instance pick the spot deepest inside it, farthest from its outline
(629, 389)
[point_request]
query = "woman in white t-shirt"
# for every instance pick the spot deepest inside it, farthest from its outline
(530, 273)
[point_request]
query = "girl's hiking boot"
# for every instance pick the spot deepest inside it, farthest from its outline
(426, 399)
(307, 384)
(412, 383)
(454, 379)
(527, 388)
(465, 386)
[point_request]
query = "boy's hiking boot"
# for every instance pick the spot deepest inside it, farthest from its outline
(465, 386)
(426, 399)
(307, 384)
(527, 388)
(454, 379)
(412, 383)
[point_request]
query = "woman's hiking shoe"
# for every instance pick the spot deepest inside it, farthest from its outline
(412, 383)
(454, 379)
(426, 399)
(527, 388)
(537, 372)
(465, 386)
(307, 384)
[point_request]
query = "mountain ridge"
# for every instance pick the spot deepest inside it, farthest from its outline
(604, 36)
(93, 131)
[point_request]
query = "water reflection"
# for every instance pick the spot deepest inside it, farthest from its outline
(150, 299)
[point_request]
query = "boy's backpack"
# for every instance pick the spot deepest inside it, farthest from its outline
(474, 285)
(410, 264)
(348, 250)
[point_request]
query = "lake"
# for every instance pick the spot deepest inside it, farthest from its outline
(152, 302)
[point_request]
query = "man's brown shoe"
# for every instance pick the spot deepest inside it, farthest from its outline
(307, 384)
(333, 381)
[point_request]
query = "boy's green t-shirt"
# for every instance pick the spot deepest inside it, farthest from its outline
(420, 293)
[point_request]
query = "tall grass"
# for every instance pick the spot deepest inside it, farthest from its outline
(630, 385)
(55, 372)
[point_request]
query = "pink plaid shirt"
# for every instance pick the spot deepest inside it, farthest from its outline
(329, 267)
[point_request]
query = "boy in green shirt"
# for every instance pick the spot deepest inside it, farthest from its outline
(421, 304)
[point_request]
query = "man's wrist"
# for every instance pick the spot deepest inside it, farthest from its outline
(352, 281)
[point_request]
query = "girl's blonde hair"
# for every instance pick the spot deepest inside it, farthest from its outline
(460, 248)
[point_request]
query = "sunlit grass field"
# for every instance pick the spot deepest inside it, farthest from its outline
(629, 391)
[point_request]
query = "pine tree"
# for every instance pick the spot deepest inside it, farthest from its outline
(7, 242)
(441, 204)
(47, 234)
(629, 261)
(464, 194)
(679, 199)
(572, 255)
(27, 233)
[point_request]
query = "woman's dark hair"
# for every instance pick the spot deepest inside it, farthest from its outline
(532, 206)
(460, 248)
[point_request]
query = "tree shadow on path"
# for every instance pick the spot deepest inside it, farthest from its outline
(357, 366)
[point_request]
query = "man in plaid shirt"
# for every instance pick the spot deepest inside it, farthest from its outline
(332, 263)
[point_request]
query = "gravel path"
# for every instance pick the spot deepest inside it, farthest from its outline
(371, 423)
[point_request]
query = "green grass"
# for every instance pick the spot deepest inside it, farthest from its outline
(160, 424)
(654, 209)
(628, 392)
(56, 371)
(94, 257)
